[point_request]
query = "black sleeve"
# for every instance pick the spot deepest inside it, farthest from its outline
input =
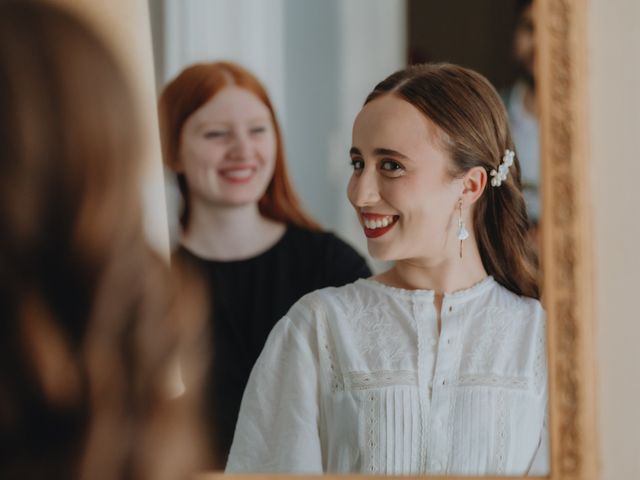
(342, 264)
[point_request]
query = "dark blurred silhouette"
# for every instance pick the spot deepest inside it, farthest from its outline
(95, 330)
(520, 101)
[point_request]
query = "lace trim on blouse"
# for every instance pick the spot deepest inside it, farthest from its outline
(380, 379)
(457, 296)
(518, 383)
(388, 378)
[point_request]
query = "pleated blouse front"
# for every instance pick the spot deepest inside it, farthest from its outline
(357, 379)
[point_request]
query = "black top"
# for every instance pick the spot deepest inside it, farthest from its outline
(249, 297)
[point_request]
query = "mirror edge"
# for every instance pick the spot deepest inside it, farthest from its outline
(568, 254)
(567, 262)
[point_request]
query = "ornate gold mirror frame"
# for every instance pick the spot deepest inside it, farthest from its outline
(567, 252)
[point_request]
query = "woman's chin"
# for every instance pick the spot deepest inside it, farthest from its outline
(231, 201)
(381, 253)
(242, 199)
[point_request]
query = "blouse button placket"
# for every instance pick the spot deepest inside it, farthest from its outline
(444, 375)
(426, 324)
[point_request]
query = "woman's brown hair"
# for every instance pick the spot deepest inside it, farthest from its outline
(189, 91)
(475, 132)
(92, 320)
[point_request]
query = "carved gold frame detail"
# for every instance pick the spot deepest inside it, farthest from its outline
(567, 250)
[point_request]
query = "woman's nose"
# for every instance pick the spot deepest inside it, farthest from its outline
(363, 189)
(241, 147)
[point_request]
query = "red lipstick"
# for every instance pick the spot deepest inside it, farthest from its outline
(377, 232)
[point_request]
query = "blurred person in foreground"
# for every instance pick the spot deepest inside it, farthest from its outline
(92, 320)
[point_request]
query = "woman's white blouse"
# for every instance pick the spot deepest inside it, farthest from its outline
(356, 379)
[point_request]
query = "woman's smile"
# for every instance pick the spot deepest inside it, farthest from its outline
(238, 173)
(375, 225)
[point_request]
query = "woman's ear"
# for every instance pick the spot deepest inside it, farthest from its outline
(474, 183)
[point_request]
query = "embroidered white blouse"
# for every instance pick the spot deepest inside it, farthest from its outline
(356, 379)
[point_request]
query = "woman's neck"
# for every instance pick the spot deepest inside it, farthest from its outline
(442, 275)
(229, 233)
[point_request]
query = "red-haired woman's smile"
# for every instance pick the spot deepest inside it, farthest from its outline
(238, 173)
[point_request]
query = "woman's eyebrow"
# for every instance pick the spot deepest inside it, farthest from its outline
(380, 152)
(204, 124)
(383, 152)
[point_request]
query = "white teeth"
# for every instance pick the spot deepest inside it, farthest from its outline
(240, 174)
(380, 223)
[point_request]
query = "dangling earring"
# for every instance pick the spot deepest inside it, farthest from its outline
(463, 234)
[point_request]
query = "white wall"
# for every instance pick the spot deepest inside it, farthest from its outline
(615, 171)
(250, 32)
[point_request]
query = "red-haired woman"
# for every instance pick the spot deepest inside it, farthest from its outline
(437, 365)
(241, 221)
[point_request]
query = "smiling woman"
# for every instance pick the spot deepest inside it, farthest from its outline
(395, 176)
(228, 149)
(242, 223)
(437, 365)
(433, 180)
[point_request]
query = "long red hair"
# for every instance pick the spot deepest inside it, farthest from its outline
(191, 89)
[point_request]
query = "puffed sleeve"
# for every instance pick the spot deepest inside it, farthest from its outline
(277, 429)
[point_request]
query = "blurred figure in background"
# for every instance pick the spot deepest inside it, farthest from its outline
(520, 101)
(242, 223)
(92, 321)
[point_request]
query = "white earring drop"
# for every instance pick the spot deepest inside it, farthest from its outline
(463, 233)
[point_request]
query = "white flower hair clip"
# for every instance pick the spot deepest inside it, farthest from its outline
(500, 175)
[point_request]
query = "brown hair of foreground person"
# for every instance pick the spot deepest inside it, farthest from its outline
(92, 321)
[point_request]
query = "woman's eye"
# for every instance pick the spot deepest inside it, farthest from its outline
(390, 166)
(357, 164)
(215, 134)
(256, 130)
